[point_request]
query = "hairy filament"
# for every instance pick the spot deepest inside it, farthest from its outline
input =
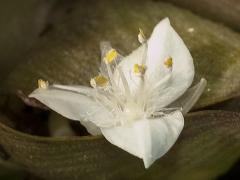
(110, 75)
(124, 81)
(144, 57)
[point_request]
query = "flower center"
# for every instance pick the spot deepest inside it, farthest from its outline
(133, 111)
(115, 93)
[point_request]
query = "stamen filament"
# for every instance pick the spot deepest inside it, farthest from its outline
(101, 99)
(144, 57)
(124, 81)
(110, 75)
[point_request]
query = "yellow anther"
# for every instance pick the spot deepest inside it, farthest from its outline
(141, 36)
(139, 69)
(111, 56)
(168, 62)
(43, 84)
(99, 81)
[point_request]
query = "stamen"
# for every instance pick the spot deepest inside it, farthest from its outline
(141, 36)
(124, 81)
(144, 57)
(43, 84)
(99, 81)
(110, 75)
(139, 69)
(110, 56)
(168, 62)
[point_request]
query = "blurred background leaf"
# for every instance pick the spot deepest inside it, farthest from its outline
(69, 53)
(225, 11)
(21, 23)
(207, 148)
(9, 171)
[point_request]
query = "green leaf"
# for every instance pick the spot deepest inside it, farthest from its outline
(21, 23)
(207, 147)
(69, 52)
(228, 105)
(11, 173)
(230, 12)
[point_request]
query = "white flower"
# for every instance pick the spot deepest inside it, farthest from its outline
(137, 102)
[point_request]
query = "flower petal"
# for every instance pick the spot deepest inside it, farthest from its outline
(88, 91)
(190, 97)
(148, 139)
(75, 104)
(164, 42)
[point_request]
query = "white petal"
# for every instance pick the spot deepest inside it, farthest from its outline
(88, 91)
(148, 139)
(73, 105)
(190, 97)
(91, 128)
(164, 42)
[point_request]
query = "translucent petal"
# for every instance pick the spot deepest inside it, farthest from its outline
(190, 97)
(148, 139)
(74, 105)
(91, 128)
